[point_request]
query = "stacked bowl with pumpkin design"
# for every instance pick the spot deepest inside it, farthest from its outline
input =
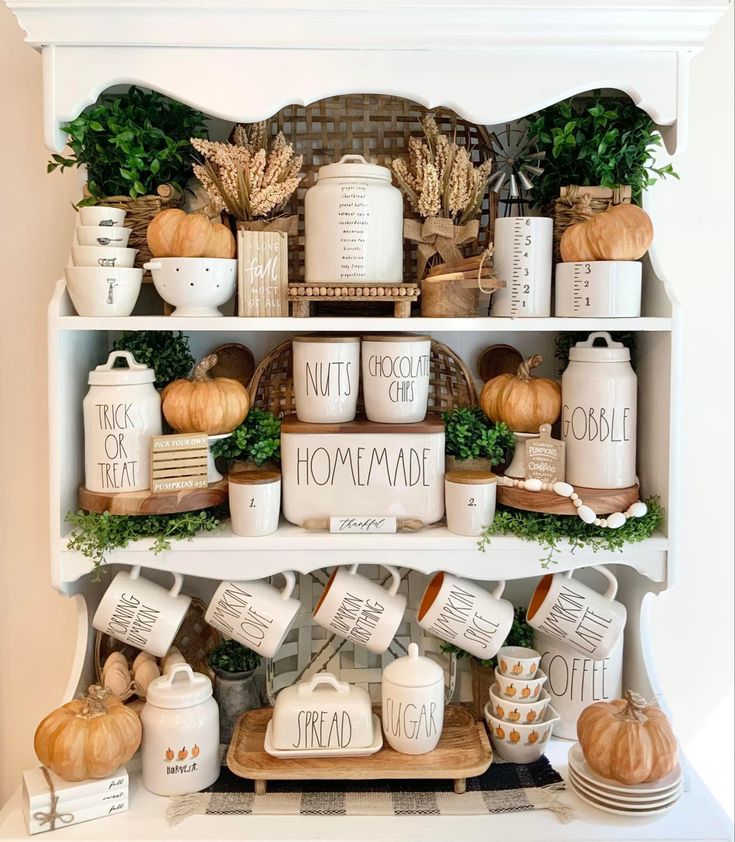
(194, 267)
(518, 715)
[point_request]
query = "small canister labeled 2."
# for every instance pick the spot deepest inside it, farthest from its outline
(122, 413)
(599, 414)
(469, 499)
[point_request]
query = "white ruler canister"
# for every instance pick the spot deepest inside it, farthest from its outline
(602, 288)
(522, 258)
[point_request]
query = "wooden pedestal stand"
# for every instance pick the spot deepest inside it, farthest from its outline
(401, 296)
(601, 500)
(463, 752)
(147, 503)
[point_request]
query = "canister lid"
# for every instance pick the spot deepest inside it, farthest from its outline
(413, 670)
(135, 373)
(354, 166)
(181, 688)
(254, 477)
(610, 352)
(325, 337)
(396, 337)
(467, 477)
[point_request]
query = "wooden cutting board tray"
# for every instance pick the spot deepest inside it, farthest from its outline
(463, 752)
(601, 500)
(148, 503)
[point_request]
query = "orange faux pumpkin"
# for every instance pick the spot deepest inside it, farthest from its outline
(627, 740)
(161, 231)
(221, 242)
(192, 236)
(622, 232)
(174, 233)
(205, 404)
(88, 737)
(522, 401)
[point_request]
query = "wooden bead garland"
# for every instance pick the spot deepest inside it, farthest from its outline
(613, 521)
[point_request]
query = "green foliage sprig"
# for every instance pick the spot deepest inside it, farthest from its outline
(131, 143)
(469, 434)
(592, 140)
(565, 341)
(257, 439)
(166, 352)
(95, 535)
(521, 634)
(231, 656)
(549, 530)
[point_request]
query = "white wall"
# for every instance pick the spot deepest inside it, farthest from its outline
(694, 225)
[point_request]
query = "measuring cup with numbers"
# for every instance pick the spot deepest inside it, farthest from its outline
(522, 258)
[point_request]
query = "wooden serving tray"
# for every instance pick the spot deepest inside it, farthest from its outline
(601, 500)
(148, 503)
(401, 296)
(463, 752)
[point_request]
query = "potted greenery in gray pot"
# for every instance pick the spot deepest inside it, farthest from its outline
(473, 442)
(235, 689)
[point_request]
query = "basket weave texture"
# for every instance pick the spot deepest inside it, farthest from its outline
(378, 128)
(450, 381)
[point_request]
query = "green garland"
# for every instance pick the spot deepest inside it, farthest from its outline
(548, 530)
(94, 535)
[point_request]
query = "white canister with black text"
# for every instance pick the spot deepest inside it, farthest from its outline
(255, 502)
(412, 703)
(122, 412)
(326, 378)
(522, 258)
(469, 500)
(180, 746)
(395, 377)
(599, 414)
(353, 220)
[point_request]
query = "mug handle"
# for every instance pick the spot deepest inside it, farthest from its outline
(176, 587)
(497, 591)
(290, 578)
(394, 575)
(320, 678)
(612, 587)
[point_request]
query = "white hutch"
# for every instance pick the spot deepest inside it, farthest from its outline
(493, 62)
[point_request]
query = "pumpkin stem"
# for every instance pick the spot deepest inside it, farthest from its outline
(94, 702)
(524, 369)
(633, 711)
(203, 366)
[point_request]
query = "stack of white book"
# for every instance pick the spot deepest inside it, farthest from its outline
(78, 801)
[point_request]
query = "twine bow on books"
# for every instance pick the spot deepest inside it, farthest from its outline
(52, 816)
(439, 235)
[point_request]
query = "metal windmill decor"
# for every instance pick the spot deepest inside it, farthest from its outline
(517, 163)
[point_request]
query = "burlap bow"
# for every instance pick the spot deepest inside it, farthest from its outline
(289, 224)
(438, 235)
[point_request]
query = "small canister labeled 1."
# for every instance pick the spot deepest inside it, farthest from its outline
(469, 498)
(522, 258)
(255, 502)
(180, 745)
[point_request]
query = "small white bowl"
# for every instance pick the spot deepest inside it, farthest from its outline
(518, 661)
(520, 689)
(518, 711)
(195, 286)
(103, 256)
(99, 215)
(520, 743)
(96, 235)
(103, 291)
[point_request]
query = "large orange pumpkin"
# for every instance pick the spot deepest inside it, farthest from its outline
(88, 737)
(174, 233)
(622, 232)
(204, 404)
(627, 740)
(522, 401)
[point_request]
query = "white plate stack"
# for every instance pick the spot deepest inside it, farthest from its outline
(649, 799)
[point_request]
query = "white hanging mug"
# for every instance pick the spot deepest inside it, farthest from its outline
(360, 610)
(254, 613)
(141, 613)
(569, 611)
(461, 612)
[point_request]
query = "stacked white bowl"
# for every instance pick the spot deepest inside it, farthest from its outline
(101, 279)
(518, 715)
